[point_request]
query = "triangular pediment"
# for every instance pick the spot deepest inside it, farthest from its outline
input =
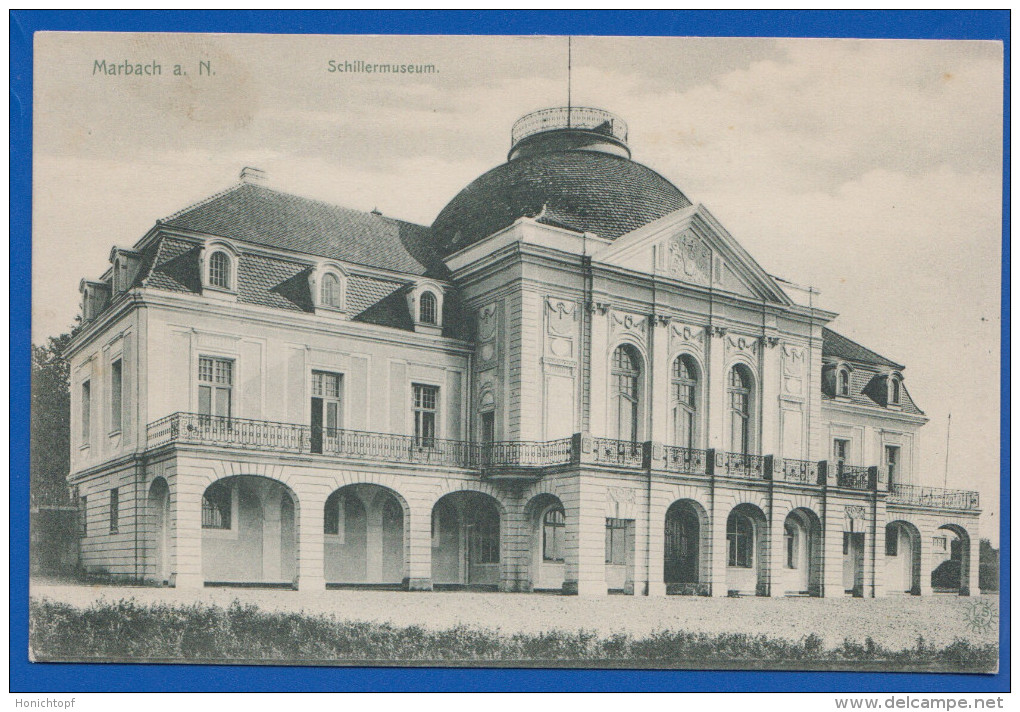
(691, 246)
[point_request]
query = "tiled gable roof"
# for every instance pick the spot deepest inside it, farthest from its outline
(867, 382)
(837, 346)
(171, 264)
(262, 216)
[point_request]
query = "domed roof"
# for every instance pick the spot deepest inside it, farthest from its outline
(584, 190)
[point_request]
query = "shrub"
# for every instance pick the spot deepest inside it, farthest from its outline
(132, 632)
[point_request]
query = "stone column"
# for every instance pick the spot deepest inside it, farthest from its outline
(716, 392)
(721, 506)
(924, 541)
(777, 552)
(419, 547)
(311, 541)
(599, 368)
(585, 531)
(771, 375)
(186, 493)
(661, 371)
(832, 549)
(974, 579)
(656, 543)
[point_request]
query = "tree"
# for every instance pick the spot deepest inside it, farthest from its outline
(988, 573)
(50, 422)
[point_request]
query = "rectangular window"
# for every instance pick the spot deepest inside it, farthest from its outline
(840, 448)
(116, 394)
(489, 427)
(791, 549)
(616, 541)
(938, 543)
(892, 459)
(83, 516)
(552, 535)
(327, 407)
(86, 412)
(215, 386)
(426, 401)
(114, 510)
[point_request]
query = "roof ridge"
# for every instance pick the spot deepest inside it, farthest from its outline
(862, 346)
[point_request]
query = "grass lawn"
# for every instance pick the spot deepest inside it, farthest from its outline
(129, 631)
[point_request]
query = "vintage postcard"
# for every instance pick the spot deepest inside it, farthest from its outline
(516, 351)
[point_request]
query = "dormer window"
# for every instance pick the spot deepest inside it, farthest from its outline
(894, 390)
(327, 283)
(843, 382)
(219, 270)
(428, 309)
(331, 295)
(425, 304)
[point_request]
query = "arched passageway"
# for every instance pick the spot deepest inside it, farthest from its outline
(685, 549)
(801, 572)
(952, 559)
(547, 520)
(466, 540)
(363, 532)
(747, 551)
(249, 532)
(902, 558)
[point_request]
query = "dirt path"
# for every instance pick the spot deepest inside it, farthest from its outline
(895, 622)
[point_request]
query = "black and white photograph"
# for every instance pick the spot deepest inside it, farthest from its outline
(516, 351)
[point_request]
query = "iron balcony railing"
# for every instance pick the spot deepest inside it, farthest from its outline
(606, 451)
(686, 460)
(269, 436)
(523, 459)
(513, 453)
(804, 472)
(739, 464)
(575, 117)
(935, 497)
(853, 477)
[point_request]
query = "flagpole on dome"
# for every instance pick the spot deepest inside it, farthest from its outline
(569, 71)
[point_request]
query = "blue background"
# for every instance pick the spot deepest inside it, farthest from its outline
(26, 676)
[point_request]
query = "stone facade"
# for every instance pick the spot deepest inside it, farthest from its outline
(541, 408)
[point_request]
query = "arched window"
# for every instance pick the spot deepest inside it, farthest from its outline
(427, 311)
(685, 409)
(625, 381)
(844, 382)
(740, 540)
(219, 270)
(216, 507)
(740, 410)
(553, 523)
(331, 295)
(894, 390)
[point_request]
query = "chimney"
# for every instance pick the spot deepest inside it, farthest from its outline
(252, 175)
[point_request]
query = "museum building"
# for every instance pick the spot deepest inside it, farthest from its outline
(574, 380)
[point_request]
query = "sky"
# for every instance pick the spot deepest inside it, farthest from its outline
(870, 170)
